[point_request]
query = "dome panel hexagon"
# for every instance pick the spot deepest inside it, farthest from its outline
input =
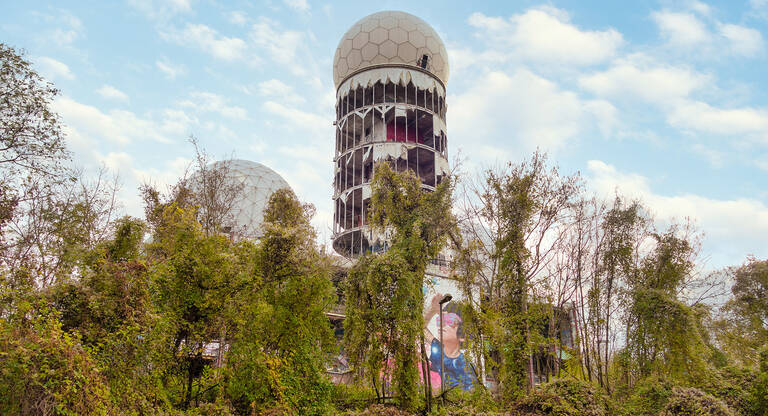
(390, 37)
(360, 40)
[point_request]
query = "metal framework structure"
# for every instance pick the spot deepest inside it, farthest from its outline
(390, 71)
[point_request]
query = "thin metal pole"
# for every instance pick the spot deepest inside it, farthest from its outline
(442, 358)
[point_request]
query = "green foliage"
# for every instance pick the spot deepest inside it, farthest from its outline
(732, 385)
(664, 337)
(646, 398)
(478, 401)
(758, 396)
(384, 292)
(686, 401)
(31, 139)
(663, 333)
(112, 290)
(193, 277)
(280, 331)
(563, 397)
(353, 397)
(109, 308)
(46, 371)
(743, 329)
(509, 215)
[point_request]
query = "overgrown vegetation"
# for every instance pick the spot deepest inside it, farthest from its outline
(173, 314)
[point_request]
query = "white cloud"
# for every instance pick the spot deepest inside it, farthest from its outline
(64, 28)
(673, 90)
(237, 18)
(278, 90)
(639, 77)
(715, 158)
(700, 116)
(282, 46)
(681, 29)
(685, 31)
(112, 93)
(315, 124)
(69, 33)
(317, 155)
(53, 69)
(700, 8)
(300, 6)
(209, 41)
(743, 40)
(525, 110)
(733, 228)
(87, 125)
(161, 9)
(170, 70)
(546, 35)
(177, 123)
(210, 102)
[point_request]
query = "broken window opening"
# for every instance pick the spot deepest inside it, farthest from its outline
(368, 127)
(424, 124)
(410, 94)
(368, 96)
(366, 211)
(399, 93)
(367, 164)
(426, 166)
(424, 61)
(358, 97)
(378, 93)
(389, 92)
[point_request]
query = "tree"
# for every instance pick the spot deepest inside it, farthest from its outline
(45, 206)
(384, 300)
(31, 140)
(663, 333)
(107, 306)
(743, 327)
(511, 222)
(193, 275)
(280, 332)
(209, 190)
(44, 370)
(622, 228)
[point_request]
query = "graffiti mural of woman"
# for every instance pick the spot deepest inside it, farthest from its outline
(456, 368)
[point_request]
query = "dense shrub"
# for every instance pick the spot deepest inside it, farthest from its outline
(688, 401)
(352, 396)
(563, 397)
(379, 410)
(45, 371)
(733, 386)
(647, 397)
(758, 395)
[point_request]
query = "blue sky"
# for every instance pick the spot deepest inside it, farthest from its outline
(665, 101)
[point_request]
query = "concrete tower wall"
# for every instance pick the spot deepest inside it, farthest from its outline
(382, 115)
(390, 70)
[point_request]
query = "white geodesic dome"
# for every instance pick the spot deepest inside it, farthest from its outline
(390, 37)
(258, 184)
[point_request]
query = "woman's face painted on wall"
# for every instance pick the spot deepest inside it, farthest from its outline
(451, 326)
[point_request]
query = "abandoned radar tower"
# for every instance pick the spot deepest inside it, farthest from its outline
(390, 71)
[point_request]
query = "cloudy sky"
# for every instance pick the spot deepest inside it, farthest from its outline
(666, 101)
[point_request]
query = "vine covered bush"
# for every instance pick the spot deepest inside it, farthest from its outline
(563, 397)
(688, 401)
(46, 371)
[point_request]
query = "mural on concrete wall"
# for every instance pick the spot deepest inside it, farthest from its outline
(457, 370)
